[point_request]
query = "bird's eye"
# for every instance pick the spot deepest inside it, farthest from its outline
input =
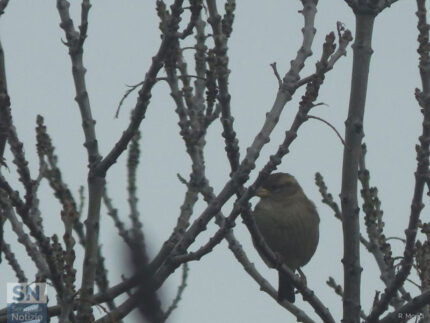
(276, 188)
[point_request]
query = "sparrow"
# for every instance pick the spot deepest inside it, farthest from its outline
(289, 223)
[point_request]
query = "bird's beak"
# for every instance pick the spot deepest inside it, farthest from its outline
(262, 192)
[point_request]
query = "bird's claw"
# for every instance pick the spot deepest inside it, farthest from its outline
(302, 277)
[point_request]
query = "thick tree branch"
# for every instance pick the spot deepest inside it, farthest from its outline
(353, 136)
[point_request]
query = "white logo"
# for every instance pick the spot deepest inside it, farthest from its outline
(34, 293)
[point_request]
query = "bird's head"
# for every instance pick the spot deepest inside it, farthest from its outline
(278, 186)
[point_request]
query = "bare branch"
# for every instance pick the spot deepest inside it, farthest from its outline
(330, 125)
(179, 293)
(414, 306)
(422, 171)
(339, 291)
(353, 136)
(169, 38)
(222, 74)
(196, 7)
(275, 71)
(327, 198)
(13, 262)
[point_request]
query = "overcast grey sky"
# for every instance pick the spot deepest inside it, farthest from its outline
(122, 38)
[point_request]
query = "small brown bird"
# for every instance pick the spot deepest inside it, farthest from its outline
(289, 223)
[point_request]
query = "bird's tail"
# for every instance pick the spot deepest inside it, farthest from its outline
(286, 288)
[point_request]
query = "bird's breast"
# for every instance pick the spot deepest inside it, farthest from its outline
(290, 228)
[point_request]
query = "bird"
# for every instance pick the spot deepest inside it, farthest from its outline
(289, 224)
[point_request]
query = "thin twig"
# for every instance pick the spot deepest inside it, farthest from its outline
(330, 125)
(275, 71)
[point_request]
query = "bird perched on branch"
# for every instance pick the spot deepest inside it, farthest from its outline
(289, 223)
